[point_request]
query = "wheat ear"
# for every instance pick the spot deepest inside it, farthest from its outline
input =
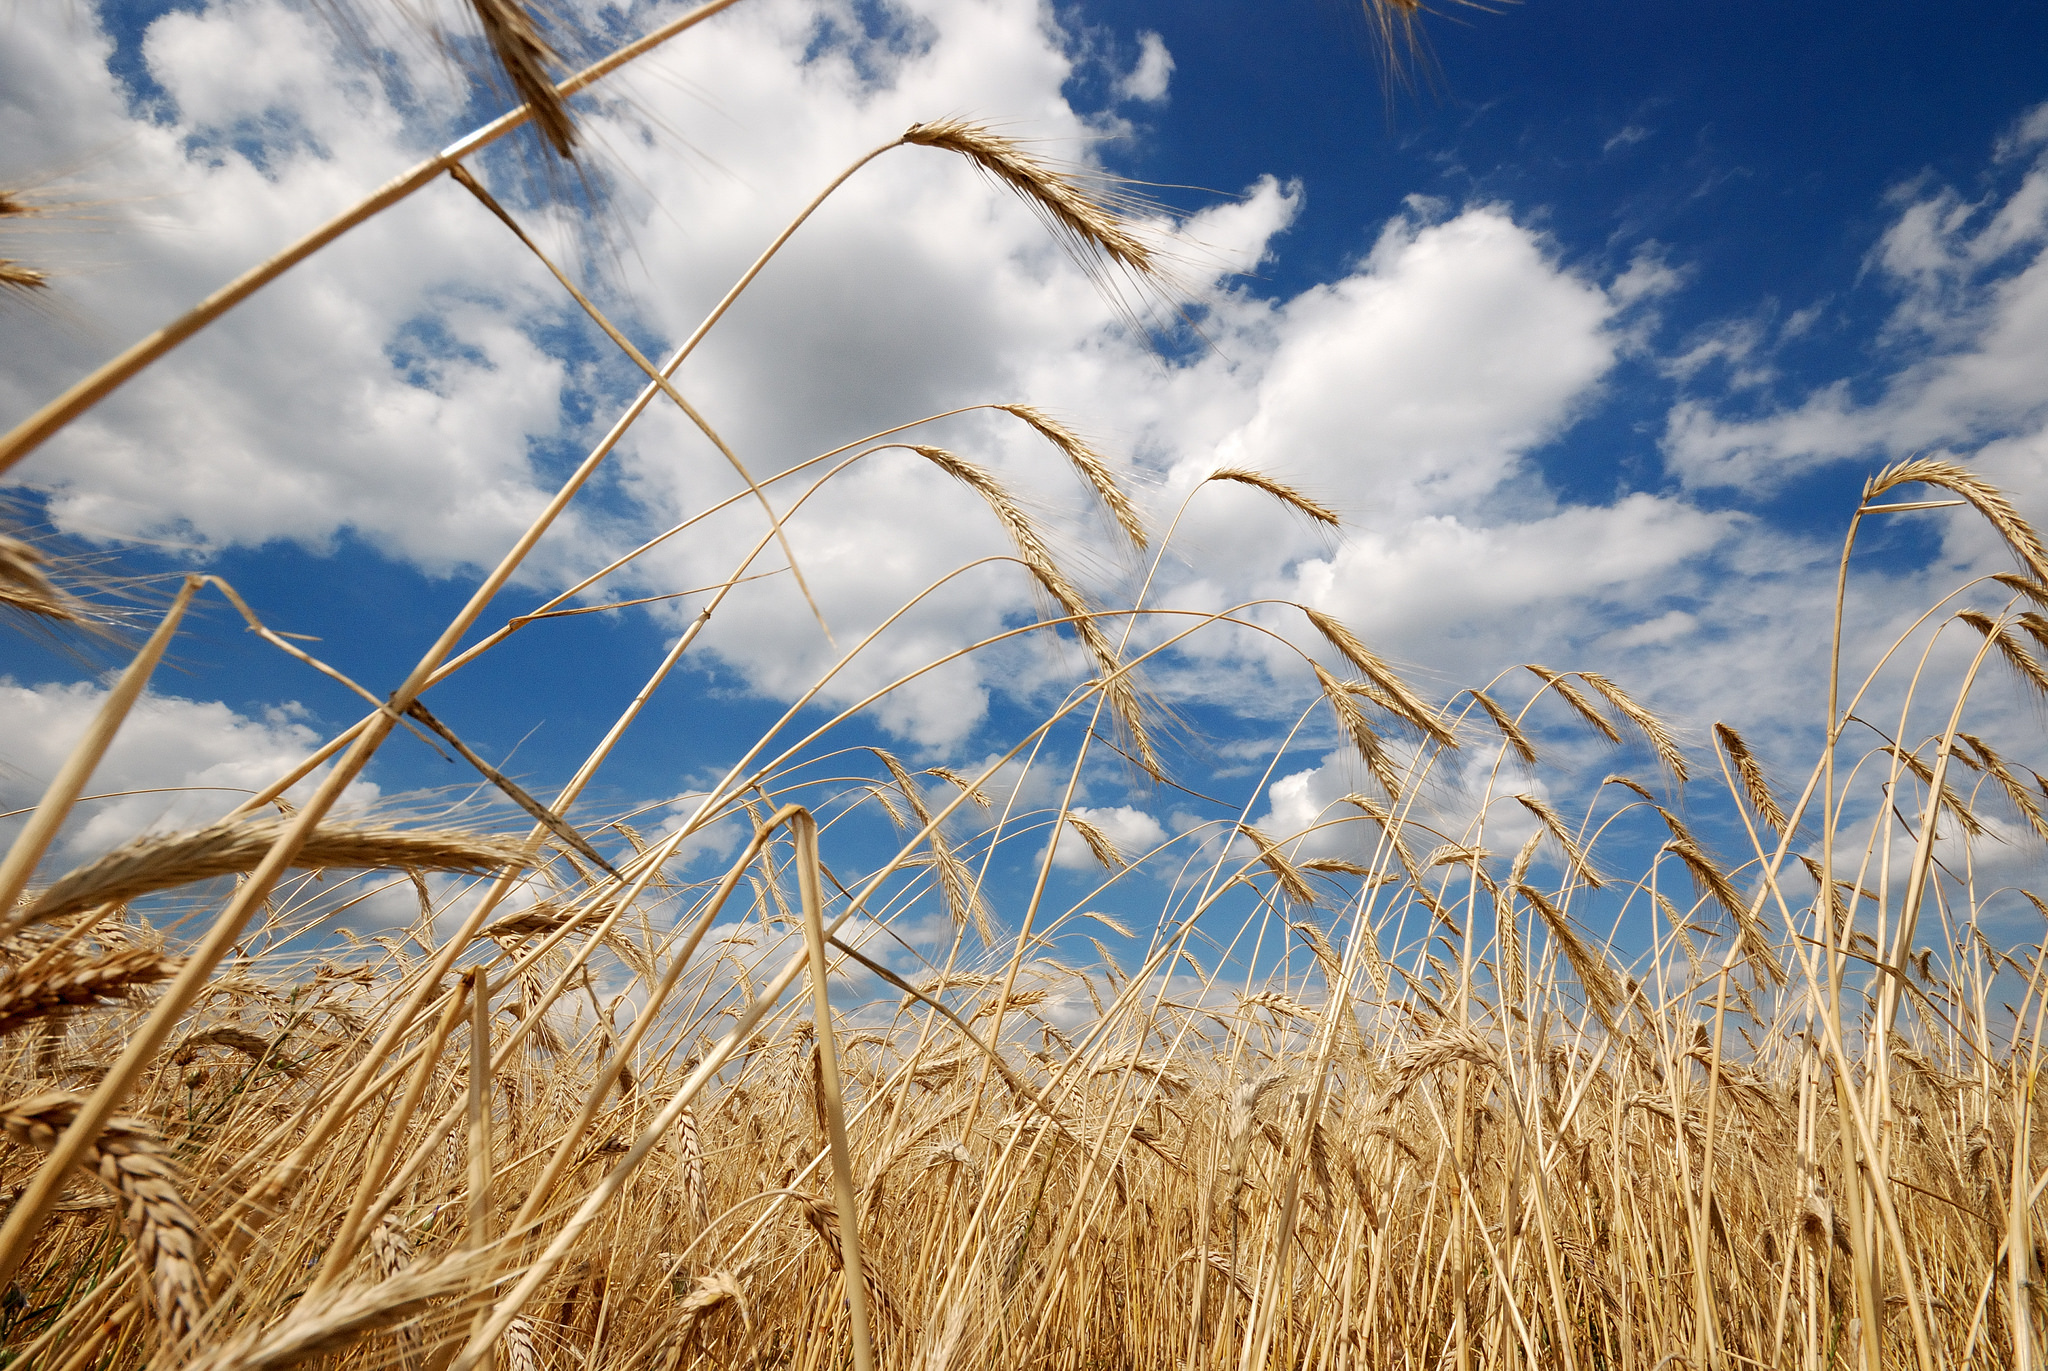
(128, 1157)
(520, 1353)
(1751, 773)
(525, 57)
(692, 1147)
(1087, 461)
(24, 585)
(69, 981)
(19, 275)
(1553, 822)
(974, 792)
(1653, 728)
(1078, 217)
(707, 1295)
(1596, 975)
(1281, 491)
(1291, 880)
(1398, 696)
(1988, 500)
(1576, 699)
(2008, 644)
(956, 879)
(160, 862)
(331, 1320)
(1037, 557)
(1358, 728)
(1517, 741)
(1099, 843)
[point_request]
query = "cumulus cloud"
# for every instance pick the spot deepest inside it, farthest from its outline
(394, 388)
(422, 383)
(1148, 79)
(180, 762)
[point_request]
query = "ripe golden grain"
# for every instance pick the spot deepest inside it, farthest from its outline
(1281, 491)
(163, 862)
(1099, 844)
(1081, 219)
(1751, 772)
(66, 981)
(525, 58)
(130, 1159)
(1090, 464)
(25, 585)
(1494, 1131)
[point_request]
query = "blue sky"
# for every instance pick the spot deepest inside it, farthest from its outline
(1592, 335)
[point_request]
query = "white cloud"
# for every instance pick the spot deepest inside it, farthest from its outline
(1648, 277)
(395, 386)
(411, 385)
(1630, 135)
(1148, 79)
(1965, 338)
(200, 759)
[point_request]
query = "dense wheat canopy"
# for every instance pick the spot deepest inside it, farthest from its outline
(1534, 1025)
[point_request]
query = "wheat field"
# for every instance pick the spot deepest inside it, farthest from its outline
(1525, 1082)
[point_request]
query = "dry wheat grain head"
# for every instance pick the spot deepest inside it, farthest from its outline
(66, 981)
(25, 584)
(134, 1164)
(162, 862)
(523, 54)
(1080, 218)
